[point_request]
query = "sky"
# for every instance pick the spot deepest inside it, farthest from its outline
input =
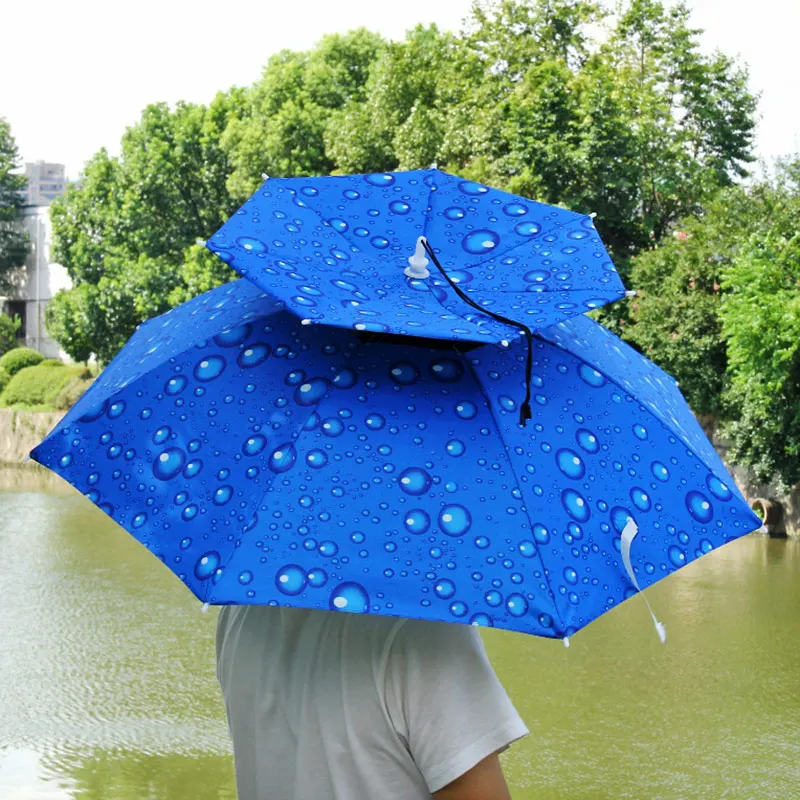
(74, 75)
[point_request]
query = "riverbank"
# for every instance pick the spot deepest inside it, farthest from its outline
(20, 431)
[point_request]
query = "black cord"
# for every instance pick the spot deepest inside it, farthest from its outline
(525, 409)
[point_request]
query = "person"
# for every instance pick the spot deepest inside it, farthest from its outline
(326, 705)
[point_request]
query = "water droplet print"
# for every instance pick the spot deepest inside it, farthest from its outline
(660, 471)
(233, 336)
(254, 355)
(417, 521)
(174, 386)
(408, 487)
(473, 189)
(169, 464)
(587, 440)
(350, 597)
(283, 458)
(209, 369)
(404, 373)
(222, 495)
(575, 505)
(516, 605)
(480, 242)
(699, 507)
(528, 228)
(251, 245)
(591, 376)
(570, 464)
(291, 580)
(311, 392)
(380, 179)
(446, 370)
(720, 490)
(254, 445)
(455, 520)
(466, 409)
(415, 481)
(207, 565)
(444, 589)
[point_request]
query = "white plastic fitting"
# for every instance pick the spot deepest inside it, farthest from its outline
(417, 264)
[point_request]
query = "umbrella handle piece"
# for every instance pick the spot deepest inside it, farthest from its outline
(417, 268)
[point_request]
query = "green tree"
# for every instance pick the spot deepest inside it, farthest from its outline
(674, 320)
(719, 309)
(281, 130)
(125, 230)
(9, 331)
(643, 129)
(760, 315)
(13, 238)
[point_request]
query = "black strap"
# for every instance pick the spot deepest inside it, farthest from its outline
(525, 408)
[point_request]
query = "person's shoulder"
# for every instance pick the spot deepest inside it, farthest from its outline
(436, 637)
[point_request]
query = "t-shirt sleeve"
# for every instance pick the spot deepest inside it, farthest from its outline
(445, 700)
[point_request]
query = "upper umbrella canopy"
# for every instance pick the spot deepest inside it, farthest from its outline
(336, 250)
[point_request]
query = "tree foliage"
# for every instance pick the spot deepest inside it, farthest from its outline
(126, 230)
(13, 238)
(760, 316)
(9, 331)
(719, 308)
(637, 124)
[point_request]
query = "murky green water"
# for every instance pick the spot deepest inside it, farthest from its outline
(107, 688)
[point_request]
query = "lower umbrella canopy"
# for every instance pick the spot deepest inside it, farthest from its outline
(269, 462)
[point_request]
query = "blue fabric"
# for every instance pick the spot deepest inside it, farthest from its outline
(267, 461)
(334, 250)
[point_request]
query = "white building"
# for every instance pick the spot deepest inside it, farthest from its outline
(46, 181)
(36, 284)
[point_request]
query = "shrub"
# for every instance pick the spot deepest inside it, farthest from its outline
(4, 379)
(19, 358)
(761, 326)
(46, 386)
(52, 362)
(9, 330)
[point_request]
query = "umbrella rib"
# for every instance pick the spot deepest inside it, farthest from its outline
(267, 491)
(526, 241)
(327, 224)
(488, 291)
(516, 478)
(611, 380)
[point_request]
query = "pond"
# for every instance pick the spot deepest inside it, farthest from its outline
(107, 686)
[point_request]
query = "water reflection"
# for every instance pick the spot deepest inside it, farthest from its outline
(102, 775)
(107, 687)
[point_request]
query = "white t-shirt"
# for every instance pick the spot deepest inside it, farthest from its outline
(334, 706)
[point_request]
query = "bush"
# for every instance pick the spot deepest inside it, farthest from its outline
(676, 314)
(19, 358)
(9, 330)
(51, 362)
(46, 386)
(4, 379)
(761, 326)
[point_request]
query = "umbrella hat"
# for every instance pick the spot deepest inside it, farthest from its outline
(265, 461)
(344, 251)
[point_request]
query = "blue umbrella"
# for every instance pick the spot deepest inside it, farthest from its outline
(265, 461)
(346, 251)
